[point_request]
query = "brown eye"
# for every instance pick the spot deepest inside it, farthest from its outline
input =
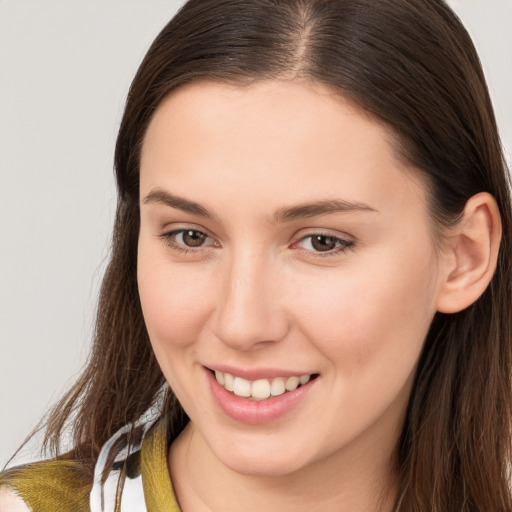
(324, 243)
(193, 238)
(188, 241)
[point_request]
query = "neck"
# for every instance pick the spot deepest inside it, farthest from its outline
(351, 480)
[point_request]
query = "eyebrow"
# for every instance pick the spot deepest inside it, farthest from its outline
(314, 209)
(185, 205)
(282, 215)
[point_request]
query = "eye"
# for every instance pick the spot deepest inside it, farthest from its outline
(323, 243)
(191, 237)
(187, 239)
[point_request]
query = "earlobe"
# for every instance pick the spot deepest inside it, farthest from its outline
(472, 255)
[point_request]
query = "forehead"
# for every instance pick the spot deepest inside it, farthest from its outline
(301, 140)
(301, 109)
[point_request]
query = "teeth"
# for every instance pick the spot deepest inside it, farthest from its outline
(277, 387)
(229, 382)
(220, 377)
(260, 389)
(292, 383)
(304, 379)
(242, 387)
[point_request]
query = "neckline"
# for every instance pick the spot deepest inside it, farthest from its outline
(156, 481)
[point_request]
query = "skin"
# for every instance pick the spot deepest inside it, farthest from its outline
(257, 294)
(11, 502)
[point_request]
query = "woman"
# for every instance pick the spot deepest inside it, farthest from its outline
(312, 250)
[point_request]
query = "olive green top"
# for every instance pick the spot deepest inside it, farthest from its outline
(63, 484)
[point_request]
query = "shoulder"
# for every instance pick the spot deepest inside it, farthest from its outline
(11, 502)
(56, 484)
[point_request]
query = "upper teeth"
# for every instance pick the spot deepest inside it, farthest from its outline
(262, 388)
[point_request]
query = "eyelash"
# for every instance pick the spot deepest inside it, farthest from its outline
(342, 244)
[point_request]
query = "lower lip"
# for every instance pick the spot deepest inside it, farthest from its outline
(254, 412)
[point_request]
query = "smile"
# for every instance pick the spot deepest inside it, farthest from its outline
(261, 395)
(260, 389)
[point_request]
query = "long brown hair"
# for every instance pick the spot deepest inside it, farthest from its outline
(411, 65)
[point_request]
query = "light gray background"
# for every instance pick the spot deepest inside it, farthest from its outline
(65, 68)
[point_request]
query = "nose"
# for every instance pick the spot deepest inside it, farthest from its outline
(250, 312)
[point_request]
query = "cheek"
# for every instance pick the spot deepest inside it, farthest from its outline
(173, 299)
(369, 327)
(372, 317)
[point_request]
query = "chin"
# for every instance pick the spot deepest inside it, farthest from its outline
(263, 458)
(262, 467)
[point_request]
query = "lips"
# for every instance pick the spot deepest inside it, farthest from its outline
(246, 407)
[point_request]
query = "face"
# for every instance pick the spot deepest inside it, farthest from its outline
(284, 247)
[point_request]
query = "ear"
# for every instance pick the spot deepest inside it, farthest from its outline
(471, 254)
